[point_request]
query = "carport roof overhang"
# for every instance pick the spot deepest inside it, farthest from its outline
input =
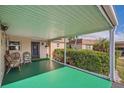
(50, 22)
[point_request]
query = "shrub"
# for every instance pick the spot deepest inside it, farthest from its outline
(118, 53)
(94, 61)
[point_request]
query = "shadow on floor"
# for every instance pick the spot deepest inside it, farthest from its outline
(29, 70)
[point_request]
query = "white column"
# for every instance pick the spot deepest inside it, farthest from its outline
(112, 54)
(64, 50)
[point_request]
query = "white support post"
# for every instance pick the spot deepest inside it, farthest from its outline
(112, 54)
(64, 50)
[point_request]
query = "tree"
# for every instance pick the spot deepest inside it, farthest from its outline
(72, 39)
(102, 45)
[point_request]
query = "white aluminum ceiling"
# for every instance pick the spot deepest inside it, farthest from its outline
(49, 22)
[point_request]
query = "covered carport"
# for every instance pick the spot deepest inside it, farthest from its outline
(52, 22)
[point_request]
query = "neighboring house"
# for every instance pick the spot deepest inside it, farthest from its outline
(82, 44)
(57, 44)
(120, 46)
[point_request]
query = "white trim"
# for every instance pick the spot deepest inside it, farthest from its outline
(64, 50)
(111, 14)
(89, 72)
(114, 14)
(112, 54)
(57, 61)
(2, 78)
(103, 13)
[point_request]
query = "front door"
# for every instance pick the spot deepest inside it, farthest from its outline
(35, 49)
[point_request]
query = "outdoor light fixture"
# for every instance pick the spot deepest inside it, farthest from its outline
(46, 45)
(3, 26)
(42, 43)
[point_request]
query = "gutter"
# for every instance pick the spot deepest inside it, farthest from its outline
(109, 13)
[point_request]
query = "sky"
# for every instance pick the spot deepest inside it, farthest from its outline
(119, 34)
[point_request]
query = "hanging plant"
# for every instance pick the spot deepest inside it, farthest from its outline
(46, 45)
(42, 43)
(4, 27)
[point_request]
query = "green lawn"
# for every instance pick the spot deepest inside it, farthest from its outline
(120, 68)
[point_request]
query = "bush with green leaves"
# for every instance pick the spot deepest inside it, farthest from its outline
(94, 61)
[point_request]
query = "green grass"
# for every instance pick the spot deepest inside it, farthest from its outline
(120, 68)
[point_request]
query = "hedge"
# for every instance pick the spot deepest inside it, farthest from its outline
(94, 61)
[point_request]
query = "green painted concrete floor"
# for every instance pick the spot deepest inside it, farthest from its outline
(46, 74)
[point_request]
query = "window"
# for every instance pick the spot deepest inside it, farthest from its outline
(14, 45)
(88, 47)
(57, 44)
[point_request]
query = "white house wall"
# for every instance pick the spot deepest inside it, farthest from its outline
(43, 50)
(54, 46)
(2, 51)
(25, 43)
(77, 46)
(83, 46)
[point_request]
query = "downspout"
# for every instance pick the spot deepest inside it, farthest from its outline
(112, 54)
(64, 51)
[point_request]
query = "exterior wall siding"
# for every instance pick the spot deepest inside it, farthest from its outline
(2, 52)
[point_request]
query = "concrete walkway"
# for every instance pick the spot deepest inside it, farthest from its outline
(117, 78)
(117, 85)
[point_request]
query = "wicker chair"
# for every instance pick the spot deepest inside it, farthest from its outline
(12, 61)
(26, 57)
